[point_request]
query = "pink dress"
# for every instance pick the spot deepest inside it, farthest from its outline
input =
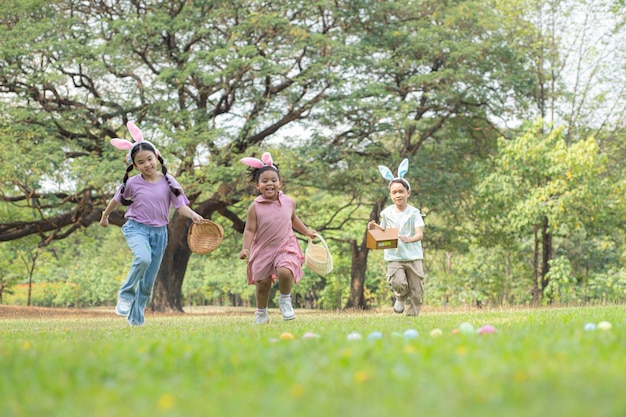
(274, 244)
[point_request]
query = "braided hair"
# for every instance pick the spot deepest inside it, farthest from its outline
(143, 146)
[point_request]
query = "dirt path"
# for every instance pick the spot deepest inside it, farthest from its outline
(20, 312)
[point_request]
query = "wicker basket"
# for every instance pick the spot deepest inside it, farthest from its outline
(204, 237)
(317, 257)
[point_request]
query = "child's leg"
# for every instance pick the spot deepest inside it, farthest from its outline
(139, 244)
(262, 293)
(285, 280)
(396, 277)
(415, 279)
(285, 284)
(158, 243)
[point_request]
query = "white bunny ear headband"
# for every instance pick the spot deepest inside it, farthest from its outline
(403, 168)
(126, 145)
(265, 161)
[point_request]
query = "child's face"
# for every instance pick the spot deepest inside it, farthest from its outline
(269, 184)
(399, 194)
(146, 162)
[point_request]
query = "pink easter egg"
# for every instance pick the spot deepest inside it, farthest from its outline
(486, 329)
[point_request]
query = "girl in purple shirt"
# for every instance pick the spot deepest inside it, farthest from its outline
(149, 197)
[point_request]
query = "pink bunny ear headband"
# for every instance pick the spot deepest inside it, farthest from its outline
(124, 144)
(265, 161)
(403, 168)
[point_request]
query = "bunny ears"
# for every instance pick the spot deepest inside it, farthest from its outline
(403, 168)
(265, 161)
(124, 144)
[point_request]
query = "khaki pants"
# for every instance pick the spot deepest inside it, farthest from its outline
(407, 282)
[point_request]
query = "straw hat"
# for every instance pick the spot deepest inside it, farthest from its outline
(204, 237)
(317, 257)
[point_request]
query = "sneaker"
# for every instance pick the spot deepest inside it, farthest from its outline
(286, 308)
(261, 318)
(398, 306)
(122, 308)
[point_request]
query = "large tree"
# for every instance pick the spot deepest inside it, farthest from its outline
(574, 52)
(207, 81)
(210, 82)
(539, 184)
(427, 79)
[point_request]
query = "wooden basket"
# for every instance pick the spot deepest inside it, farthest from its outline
(317, 257)
(379, 238)
(204, 237)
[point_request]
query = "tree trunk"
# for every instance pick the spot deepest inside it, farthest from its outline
(546, 240)
(32, 257)
(536, 293)
(167, 294)
(507, 277)
(30, 287)
(359, 264)
(357, 276)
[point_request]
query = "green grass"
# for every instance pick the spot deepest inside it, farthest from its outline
(540, 363)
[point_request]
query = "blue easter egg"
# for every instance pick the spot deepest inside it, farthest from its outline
(375, 336)
(590, 327)
(410, 334)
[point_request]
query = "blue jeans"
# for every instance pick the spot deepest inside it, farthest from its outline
(147, 243)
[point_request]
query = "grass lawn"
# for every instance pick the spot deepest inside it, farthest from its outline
(540, 362)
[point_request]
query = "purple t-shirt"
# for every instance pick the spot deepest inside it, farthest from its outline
(151, 201)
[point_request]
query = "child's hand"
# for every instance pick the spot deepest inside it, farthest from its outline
(104, 220)
(244, 254)
(373, 225)
(197, 219)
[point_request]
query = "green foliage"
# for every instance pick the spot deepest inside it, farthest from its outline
(344, 86)
(607, 287)
(538, 175)
(561, 284)
(482, 276)
(8, 277)
(82, 271)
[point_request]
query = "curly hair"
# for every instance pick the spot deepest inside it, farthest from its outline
(255, 173)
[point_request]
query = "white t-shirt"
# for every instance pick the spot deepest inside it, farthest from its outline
(405, 222)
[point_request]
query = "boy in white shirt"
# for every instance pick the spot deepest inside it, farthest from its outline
(405, 273)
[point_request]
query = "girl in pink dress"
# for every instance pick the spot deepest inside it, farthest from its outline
(269, 242)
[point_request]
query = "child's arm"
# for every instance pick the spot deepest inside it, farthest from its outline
(383, 223)
(373, 225)
(300, 227)
(419, 235)
(104, 220)
(248, 233)
(189, 213)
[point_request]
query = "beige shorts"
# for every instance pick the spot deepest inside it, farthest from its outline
(406, 279)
